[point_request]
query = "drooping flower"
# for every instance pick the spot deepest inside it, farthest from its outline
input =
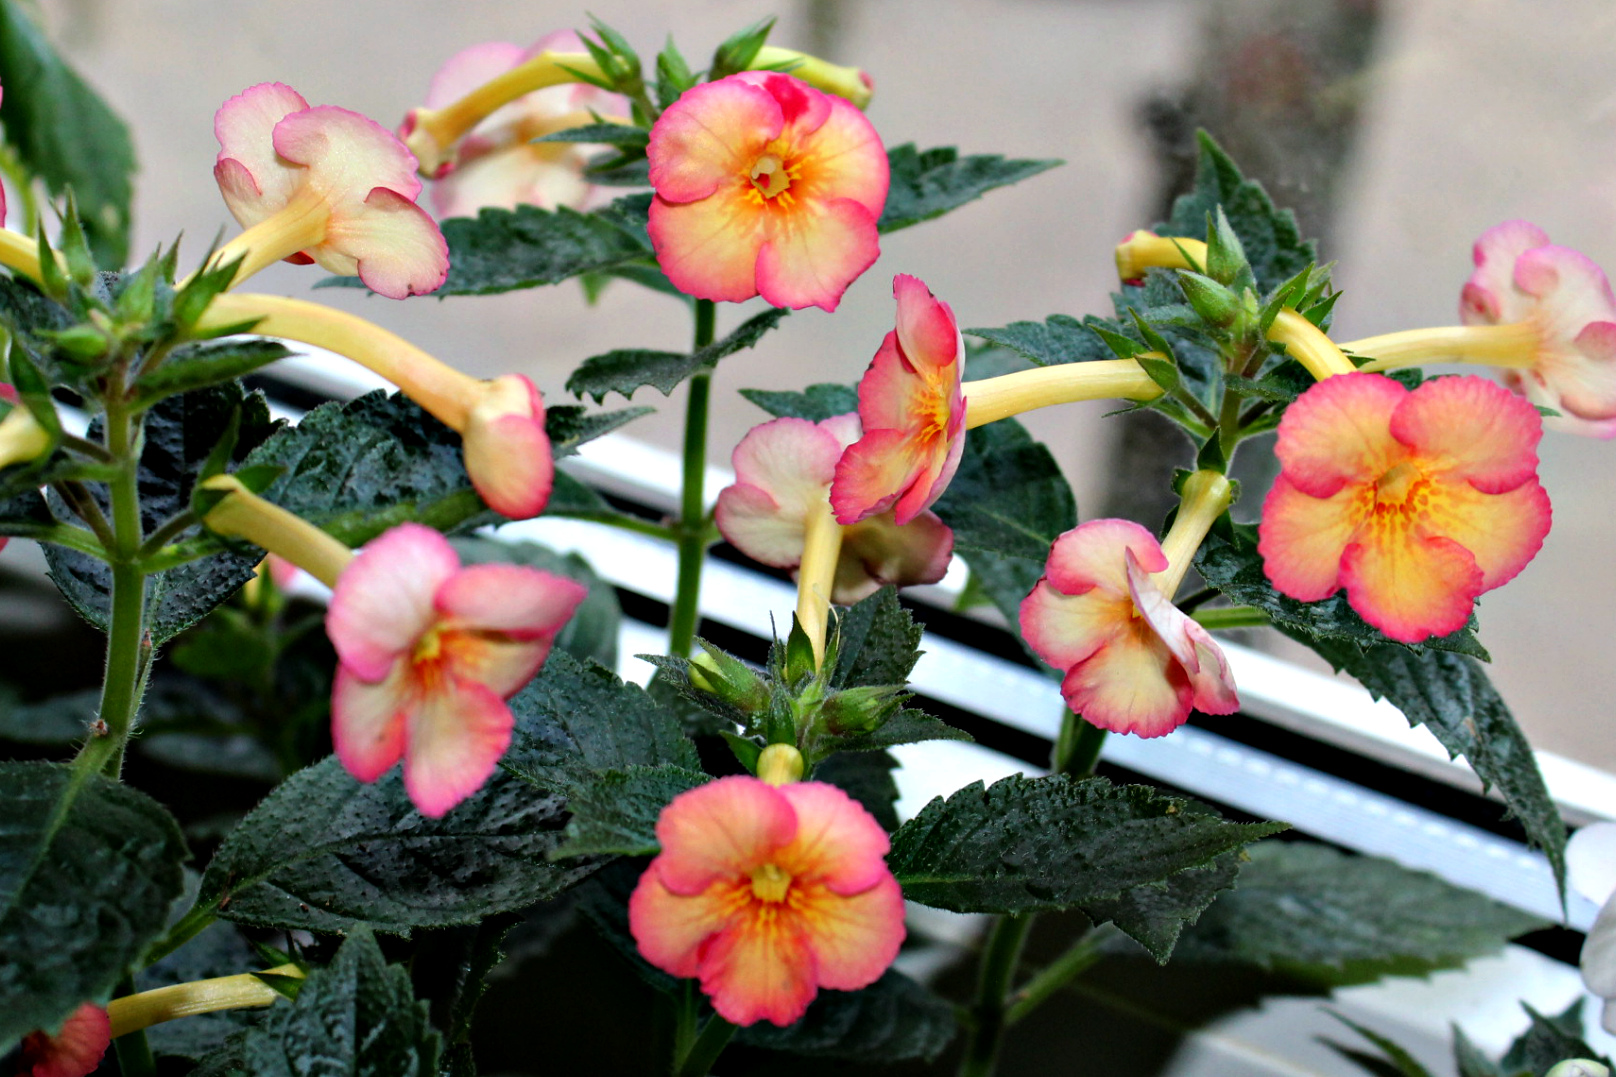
(500, 421)
(1591, 872)
(1414, 502)
(912, 411)
(428, 652)
(765, 186)
(783, 474)
(498, 163)
(1103, 612)
(324, 185)
(74, 1051)
(767, 894)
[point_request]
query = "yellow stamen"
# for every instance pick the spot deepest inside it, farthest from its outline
(1511, 345)
(297, 226)
(769, 175)
(991, 399)
(434, 131)
(21, 437)
(780, 764)
(816, 576)
(243, 514)
(1307, 344)
(770, 883)
(845, 82)
(1146, 250)
(443, 391)
(1206, 495)
(134, 1012)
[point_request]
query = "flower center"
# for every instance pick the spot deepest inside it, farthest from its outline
(770, 883)
(1394, 487)
(769, 175)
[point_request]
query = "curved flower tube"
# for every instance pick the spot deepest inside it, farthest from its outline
(499, 163)
(242, 991)
(765, 186)
(766, 894)
(1104, 613)
(324, 185)
(850, 83)
(500, 421)
(1544, 313)
(74, 1051)
(778, 512)
(1414, 502)
(1142, 250)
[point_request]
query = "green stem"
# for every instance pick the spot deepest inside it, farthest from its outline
(999, 960)
(1065, 968)
(1077, 747)
(192, 924)
(1229, 426)
(83, 505)
(1231, 617)
(698, 1061)
(691, 527)
(134, 1054)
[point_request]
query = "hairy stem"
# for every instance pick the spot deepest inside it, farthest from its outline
(1065, 968)
(692, 524)
(999, 960)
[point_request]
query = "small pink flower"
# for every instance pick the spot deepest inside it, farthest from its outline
(74, 1051)
(1565, 299)
(324, 185)
(498, 163)
(912, 411)
(783, 472)
(767, 894)
(428, 652)
(1134, 662)
(507, 452)
(765, 186)
(1416, 503)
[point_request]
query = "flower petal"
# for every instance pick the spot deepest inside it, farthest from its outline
(854, 939)
(1470, 429)
(837, 843)
(1131, 684)
(396, 244)
(927, 331)
(1591, 862)
(1203, 661)
(793, 459)
(367, 720)
(506, 448)
(454, 738)
(841, 156)
(710, 138)
(1410, 588)
(1503, 532)
(872, 474)
(1599, 959)
(1091, 555)
(726, 827)
(670, 929)
(1301, 538)
(512, 176)
(244, 126)
(383, 601)
(75, 1051)
(347, 154)
(811, 253)
(752, 521)
(1338, 432)
(759, 968)
(522, 602)
(709, 248)
(877, 551)
(502, 665)
(1489, 296)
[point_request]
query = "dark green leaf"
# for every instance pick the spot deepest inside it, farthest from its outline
(1395, 1057)
(1451, 696)
(616, 812)
(574, 720)
(907, 726)
(1470, 1060)
(1058, 339)
(65, 133)
(1269, 236)
(1155, 915)
(196, 366)
(568, 426)
(455, 976)
(355, 1018)
(88, 870)
(816, 403)
(929, 184)
(737, 51)
(25, 513)
(877, 642)
(867, 778)
(591, 633)
(1051, 843)
(181, 432)
(893, 1019)
(359, 468)
(1311, 910)
(612, 134)
(625, 371)
(1550, 1040)
(325, 852)
(1234, 566)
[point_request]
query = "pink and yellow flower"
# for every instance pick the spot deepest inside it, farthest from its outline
(323, 185)
(428, 653)
(765, 186)
(498, 163)
(768, 894)
(1103, 612)
(1414, 502)
(74, 1051)
(783, 474)
(912, 411)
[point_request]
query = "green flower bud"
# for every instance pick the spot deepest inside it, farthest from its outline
(1579, 1067)
(1211, 300)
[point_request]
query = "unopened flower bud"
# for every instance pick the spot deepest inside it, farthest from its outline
(1211, 300)
(1579, 1067)
(780, 764)
(859, 710)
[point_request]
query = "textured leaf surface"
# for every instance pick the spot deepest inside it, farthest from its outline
(87, 875)
(359, 468)
(616, 813)
(1548, 1040)
(627, 370)
(180, 433)
(816, 403)
(1310, 908)
(893, 1019)
(324, 852)
(569, 426)
(878, 642)
(1450, 695)
(1058, 339)
(196, 366)
(65, 133)
(1155, 915)
(1051, 843)
(355, 1018)
(929, 184)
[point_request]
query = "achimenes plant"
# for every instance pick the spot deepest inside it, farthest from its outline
(731, 832)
